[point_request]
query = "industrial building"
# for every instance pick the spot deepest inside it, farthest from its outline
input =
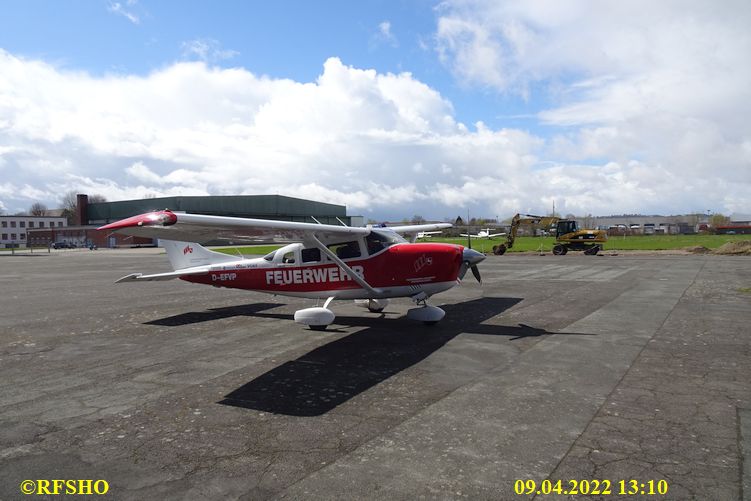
(90, 216)
(14, 230)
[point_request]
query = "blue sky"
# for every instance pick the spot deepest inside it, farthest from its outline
(287, 39)
(391, 107)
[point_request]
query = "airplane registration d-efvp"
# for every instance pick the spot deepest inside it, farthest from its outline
(369, 265)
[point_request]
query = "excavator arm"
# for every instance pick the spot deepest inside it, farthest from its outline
(518, 220)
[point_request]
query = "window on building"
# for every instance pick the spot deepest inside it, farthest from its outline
(5, 236)
(12, 224)
(23, 236)
(59, 224)
(22, 224)
(5, 224)
(41, 224)
(31, 224)
(12, 236)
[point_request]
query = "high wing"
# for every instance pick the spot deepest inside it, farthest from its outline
(411, 231)
(202, 228)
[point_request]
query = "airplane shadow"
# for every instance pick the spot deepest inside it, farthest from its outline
(328, 376)
(194, 317)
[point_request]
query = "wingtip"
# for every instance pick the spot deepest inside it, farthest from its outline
(157, 218)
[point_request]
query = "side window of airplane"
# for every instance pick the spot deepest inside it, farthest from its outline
(311, 255)
(288, 258)
(346, 250)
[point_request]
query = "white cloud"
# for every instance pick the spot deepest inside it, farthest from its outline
(117, 8)
(141, 172)
(385, 145)
(664, 84)
(384, 35)
(207, 50)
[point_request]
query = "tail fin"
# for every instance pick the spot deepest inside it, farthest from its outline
(189, 254)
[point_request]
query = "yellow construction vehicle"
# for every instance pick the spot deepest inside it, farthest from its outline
(567, 235)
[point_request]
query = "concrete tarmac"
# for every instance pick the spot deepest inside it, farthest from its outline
(627, 369)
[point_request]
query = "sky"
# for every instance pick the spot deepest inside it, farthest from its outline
(392, 108)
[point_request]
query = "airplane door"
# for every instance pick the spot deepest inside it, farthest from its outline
(287, 257)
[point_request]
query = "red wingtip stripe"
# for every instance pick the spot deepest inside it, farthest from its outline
(156, 218)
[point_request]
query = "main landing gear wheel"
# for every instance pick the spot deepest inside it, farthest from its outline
(316, 318)
(373, 305)
(559, 250)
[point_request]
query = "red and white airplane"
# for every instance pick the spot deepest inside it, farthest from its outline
(324, 261)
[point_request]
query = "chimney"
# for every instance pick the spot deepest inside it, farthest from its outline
(82, 209)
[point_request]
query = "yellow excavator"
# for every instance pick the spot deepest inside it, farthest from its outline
(567, 235)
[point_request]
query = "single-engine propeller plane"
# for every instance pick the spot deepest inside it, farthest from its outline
(369, 265)
(483, 234)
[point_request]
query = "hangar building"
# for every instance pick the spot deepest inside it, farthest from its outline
(90, 216)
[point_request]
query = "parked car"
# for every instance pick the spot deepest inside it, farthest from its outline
(63, 245)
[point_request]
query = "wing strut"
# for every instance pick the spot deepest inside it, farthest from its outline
(360, 281)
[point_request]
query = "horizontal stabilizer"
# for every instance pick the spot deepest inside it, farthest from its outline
(140, 277)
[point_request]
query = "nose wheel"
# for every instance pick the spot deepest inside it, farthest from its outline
(425, 313)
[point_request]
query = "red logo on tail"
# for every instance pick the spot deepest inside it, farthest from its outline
(187, 249)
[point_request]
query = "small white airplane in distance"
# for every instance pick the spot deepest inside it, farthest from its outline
(483, 234)
(427, 234)
(320, 261)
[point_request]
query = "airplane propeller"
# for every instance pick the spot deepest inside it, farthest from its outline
(470, 259)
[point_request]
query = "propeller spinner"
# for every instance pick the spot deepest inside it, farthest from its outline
(470, 259)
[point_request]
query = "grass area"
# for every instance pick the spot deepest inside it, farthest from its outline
(253, 250)
(640, 242)
(647, 242)
(660, 242)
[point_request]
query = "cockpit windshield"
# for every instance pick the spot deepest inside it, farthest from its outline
(379, 240)
(270, 256)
